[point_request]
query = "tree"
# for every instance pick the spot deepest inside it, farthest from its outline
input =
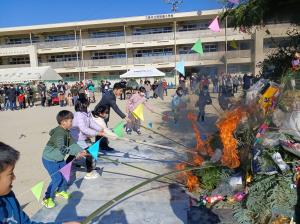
(255, 14)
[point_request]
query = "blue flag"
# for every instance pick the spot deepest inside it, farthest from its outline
(180, 67)
(94, 149)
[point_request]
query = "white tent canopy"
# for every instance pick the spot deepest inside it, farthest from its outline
(27, 74)
(143, 73)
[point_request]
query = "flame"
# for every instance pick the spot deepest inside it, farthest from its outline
(227, 126)
(201, 146)
(192, 182)
(198, 160)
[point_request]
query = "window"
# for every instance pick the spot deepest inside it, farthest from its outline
(69, 77)
(19, 60)
(245, 68)
(275, 42)
(63, 57)
(244, 45)
(153, 52)
(60, 37)
(108, 55)
(101, 34)
(232, 68)
(211, 47)
(20, 40)
(194, 26)
(185, 49)
(153, 30)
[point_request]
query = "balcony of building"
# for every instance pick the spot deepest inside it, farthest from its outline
(161, 61)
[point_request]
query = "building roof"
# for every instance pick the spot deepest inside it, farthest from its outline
(27, 74)
(108, 22)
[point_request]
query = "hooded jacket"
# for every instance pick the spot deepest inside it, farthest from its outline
(60, 144)
(12, 213)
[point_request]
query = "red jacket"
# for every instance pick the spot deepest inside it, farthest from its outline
(21, 98)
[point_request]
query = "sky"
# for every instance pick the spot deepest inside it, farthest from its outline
(33, 12)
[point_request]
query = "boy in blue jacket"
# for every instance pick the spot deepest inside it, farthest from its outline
(10, 210)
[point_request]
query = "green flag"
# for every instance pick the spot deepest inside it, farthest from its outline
(119, 129)
(37, 190)
(198, 47)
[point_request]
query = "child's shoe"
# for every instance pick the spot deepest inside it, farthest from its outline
(128, 131)
(62, 194)
(139, 132)
(48, 203)
(91, 175)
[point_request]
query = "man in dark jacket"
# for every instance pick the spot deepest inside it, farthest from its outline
(42, 92)
(109, 100)
(11, 94)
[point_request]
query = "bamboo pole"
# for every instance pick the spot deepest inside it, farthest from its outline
(139, 168)
(158, 146)
(104, 208)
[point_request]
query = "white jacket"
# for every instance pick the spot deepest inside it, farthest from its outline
(107, 132)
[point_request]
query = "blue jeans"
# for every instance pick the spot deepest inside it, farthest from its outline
(58, 183)
(12, 105)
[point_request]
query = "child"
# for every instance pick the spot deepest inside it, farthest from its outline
(204, 99)
(10, 209)
(69, 100)
(84, 127)
(177, 103)
(135, 100)
(21, 99)
(100, 114)
(59, 145)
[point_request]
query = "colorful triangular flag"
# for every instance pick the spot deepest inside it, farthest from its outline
(214, 26)
(180, 67)
(139, 112)
(37, 190)
(198, 47)
(78, 182)
(66, 171)
(234, 1)
(234, 44)
(119, 129)
(94, 149)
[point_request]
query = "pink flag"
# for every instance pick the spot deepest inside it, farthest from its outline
(234, 1)
(66, 171)
(214, 26)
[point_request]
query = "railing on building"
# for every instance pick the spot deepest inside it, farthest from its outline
(151, 59)
(105, 40)
(61, 64)
(14, 66)
(54, 44)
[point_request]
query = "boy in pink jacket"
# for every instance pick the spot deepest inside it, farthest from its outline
(131, 104)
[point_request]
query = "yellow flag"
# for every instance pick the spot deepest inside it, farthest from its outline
(139, 112)
(37, 190)
(234, 44)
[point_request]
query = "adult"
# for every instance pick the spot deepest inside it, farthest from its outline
(123, 84)
(61, 93)
(246, 81)
(29, 94)
(165, 86)
(109, 100)
(75, 92)
(42, 92)
(235, 84)
(148, 88)
(11, 95)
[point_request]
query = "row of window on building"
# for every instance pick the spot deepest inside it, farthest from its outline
(106, 34)
(208, 47)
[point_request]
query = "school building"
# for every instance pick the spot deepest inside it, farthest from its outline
(107, 48)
